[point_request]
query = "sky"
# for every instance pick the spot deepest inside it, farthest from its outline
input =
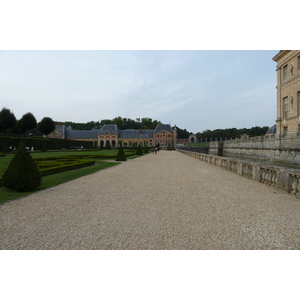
(193, 89)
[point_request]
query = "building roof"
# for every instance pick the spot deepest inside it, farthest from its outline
(163, 127)
(272, 130)
(109, 129)
(82, 134)
(135, 134)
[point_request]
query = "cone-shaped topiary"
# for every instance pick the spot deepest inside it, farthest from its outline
(121, 155)
(139, 150)
(22, 174)
(146, 150)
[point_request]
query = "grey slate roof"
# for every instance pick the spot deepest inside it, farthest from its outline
(82, 134)
(135, 134)
(109, 129)
(163, 127)
(272, 130)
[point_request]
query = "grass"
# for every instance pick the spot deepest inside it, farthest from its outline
(56, 179)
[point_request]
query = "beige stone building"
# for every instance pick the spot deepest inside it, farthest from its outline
(288, 93)
(110, 136)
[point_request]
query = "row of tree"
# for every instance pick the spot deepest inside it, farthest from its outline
(231, 133)
(9, 125)
(122, 124)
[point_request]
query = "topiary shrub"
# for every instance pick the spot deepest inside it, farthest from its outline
(139, 150)
(121, 155)
(22, 174)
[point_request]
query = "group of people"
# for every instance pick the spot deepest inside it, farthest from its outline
(155, 150)
(14, 148)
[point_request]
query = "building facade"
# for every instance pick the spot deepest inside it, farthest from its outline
(288, 93)
(110, 136)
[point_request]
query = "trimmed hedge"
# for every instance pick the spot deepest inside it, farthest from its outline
(121, 155)
(41, 143)
(48, 168)
(22, 174)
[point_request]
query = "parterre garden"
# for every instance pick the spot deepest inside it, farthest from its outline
(57, 167)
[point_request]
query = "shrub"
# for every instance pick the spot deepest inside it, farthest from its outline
(22, 174)
(121, 155)
(146, 150)
(139, 150)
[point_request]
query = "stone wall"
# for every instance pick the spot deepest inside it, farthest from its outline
(193, 148)
(263, 147)
(285, 179)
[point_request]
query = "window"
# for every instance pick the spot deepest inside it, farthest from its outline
(298, 64)
(285, 130)
(285, 73)
(285, 107)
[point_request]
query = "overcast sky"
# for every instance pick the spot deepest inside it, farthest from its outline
(196, 90)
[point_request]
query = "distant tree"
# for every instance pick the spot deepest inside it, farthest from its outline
(7, 120)
(28, 121)
(18, 129)
(182, 133)
(46, 126)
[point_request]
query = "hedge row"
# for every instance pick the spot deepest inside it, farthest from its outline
(41, 143)
(63, 166)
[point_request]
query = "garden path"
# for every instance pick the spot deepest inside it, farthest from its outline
(158, 201)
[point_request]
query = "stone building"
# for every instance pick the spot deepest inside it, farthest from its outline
(288, 93)
(110, 136)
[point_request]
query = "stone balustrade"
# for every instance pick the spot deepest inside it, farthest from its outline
(281, 178)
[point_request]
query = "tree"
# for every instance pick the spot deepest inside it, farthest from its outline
(22, 174)
(46, 126)
(7, 120)
(28, 121)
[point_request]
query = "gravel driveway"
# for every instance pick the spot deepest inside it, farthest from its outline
(159, 201)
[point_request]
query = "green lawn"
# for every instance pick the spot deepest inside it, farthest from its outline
(53, 180)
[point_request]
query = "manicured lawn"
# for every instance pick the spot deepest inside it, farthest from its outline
(56, 179)
(53, 180)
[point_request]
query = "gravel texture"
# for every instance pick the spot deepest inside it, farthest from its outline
(159, 201)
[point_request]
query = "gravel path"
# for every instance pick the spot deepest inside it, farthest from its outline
(163, 201)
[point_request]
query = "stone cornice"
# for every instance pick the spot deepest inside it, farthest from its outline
(280, 54)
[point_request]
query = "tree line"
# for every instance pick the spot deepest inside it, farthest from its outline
(231, 133)
(27, 125)
(122, 123)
